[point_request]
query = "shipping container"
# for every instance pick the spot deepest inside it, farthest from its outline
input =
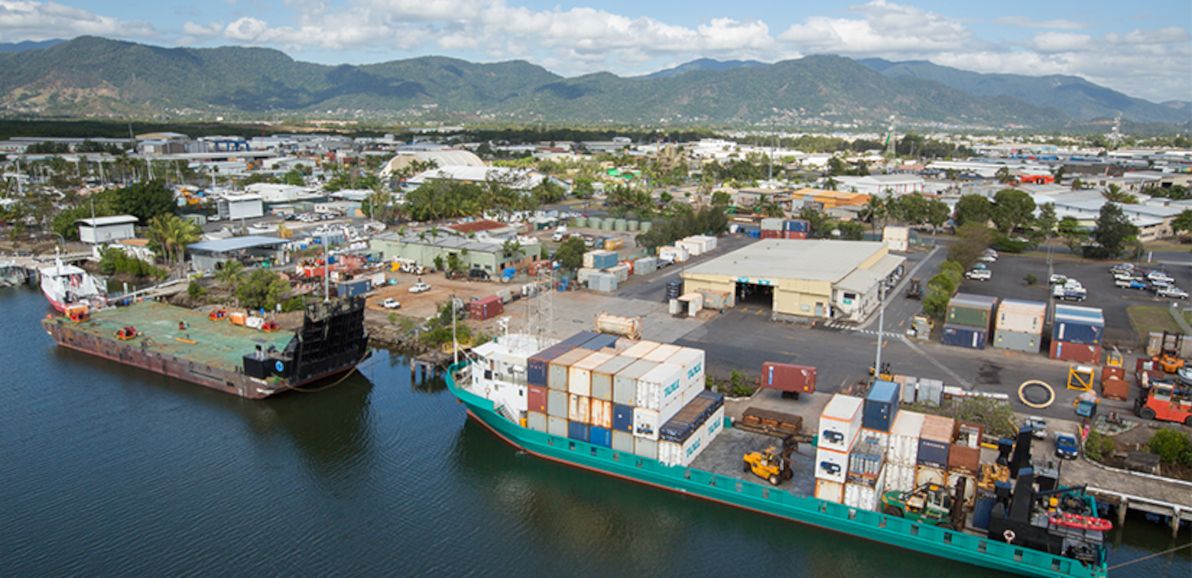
(933, 453)
(788, 377)
(620, 271)
(600, 341)
(486, 308)
(865, 496)
(881, 406)
(682, 452)
(645, 265)
(602, 282)
(579, 375)
(964, 458)
(578, 431)
(900, 477)
(538, 364)
(1021, 316)
(600, 259)
(1017, 341)
(599, 436)
(692, 361)
(536, 398)
(1075, 352)
(829, 491)
(556, 403)
(579, 408)
(1077, 332)
(622, 442)
(601, 413)
(840, 422)
(661, 353)
(772, 224)
(909, 389)
(959, 336)
(930, 391)
(645, 447)
(689, 418)
(561, 365)
(625, 382)
(623, 418)
(556, 426)
(646, 423)
(930, 475)
(640, 349)
(602, 376)
(967, 310)
(831, 465)
(536, 421)
(660, 387)
(904, 438)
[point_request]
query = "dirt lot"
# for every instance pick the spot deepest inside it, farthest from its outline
(424, 305)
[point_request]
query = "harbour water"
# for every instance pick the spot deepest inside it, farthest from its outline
(108, 470)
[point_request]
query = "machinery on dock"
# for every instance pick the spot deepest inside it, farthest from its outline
(1166, 402)
(1169, 359)
(914, 289)
(1081, 377)
(1041, 519)
(930, 503)
(772, 464)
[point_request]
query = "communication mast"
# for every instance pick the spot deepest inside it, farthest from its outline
(540, 305)
(891, 139)
(1115, 133)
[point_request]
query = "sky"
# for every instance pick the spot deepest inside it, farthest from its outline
(1140, 47)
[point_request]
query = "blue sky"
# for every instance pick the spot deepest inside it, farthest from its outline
(1140, 47)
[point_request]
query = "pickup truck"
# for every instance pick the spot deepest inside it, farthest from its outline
(979, 275)
(1069, 293)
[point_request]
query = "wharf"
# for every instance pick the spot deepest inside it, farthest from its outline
(724, 456)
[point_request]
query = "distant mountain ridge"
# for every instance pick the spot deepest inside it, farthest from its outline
(24, 45)
(91, 76)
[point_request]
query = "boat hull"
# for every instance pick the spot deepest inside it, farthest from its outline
(763, 499)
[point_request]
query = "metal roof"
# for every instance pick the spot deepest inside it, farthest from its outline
(236, 244)
(861, 280)
(105, 221)
(815, 260)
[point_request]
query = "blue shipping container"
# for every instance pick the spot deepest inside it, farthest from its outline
(1078, 332)
(604, 260)
(600, 436)
(537, 365)
(881, 405)
(600, 342)
(933, 453)
(1091, 315)
(964, 337)
(755, 233)
(622, 417)
(798, 225)
(579, 431)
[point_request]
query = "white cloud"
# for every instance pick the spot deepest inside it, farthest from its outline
(30, 20)
(193, 29)
(885, 28)
(1027, 22)
(1049, 42)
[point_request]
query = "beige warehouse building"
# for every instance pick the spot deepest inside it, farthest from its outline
(816, 279)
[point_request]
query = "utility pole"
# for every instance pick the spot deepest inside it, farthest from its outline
(326, 273)
(454, 343)
(881, 321)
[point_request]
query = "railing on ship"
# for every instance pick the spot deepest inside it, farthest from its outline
(1035, 560)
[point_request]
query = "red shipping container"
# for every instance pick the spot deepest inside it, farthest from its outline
(536, 396)
(1118, 389)
(794, 235)
(771, 234)
(1110, 372)
(630, 263)
(485, 308)
(1076, 352)
(788, 377)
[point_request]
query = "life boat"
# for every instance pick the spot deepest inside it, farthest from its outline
(126, 333)
(218, 315)
(1079, 522)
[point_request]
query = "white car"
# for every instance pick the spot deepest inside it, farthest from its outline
(420, 287)
(1160, 277)
(391, 303)
(979, 275)
(987, 258)
(1172, 292)
(1057, 279)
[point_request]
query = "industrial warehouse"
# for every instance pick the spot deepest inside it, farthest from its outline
(838, 280)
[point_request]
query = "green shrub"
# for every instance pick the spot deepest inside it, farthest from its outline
(116, 262)
(1098, 446)
(1172, 447)
(1030, 279)
(195, 291)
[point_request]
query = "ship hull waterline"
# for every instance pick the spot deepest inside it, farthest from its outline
(871, 526)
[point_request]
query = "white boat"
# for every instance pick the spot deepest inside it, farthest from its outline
(66, 285)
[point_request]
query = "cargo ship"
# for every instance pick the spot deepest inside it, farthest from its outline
(213, 351)
(639, 412)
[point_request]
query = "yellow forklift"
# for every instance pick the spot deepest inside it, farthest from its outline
(772, 464)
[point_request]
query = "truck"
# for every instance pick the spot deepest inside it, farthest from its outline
(1165, 402)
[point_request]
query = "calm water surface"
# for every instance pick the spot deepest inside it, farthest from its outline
(107, 470)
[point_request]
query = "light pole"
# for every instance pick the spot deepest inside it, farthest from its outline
(881, 320)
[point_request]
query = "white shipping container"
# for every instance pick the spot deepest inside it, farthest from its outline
(646, 424)
(829, 491)
(840, 423)
(640, 349)
(1021, 316)
(602, 413)
(625, 382)
(879, 438)
(692, 248)
(645, 448)
(864, 497)
(904, 438)
(579, 408)
(661, 353)
(683, 454)
(556, 426)
(579, 375)
(623, 442)
(692, 361)
(674, 254)
(657, 389)
(536, 421)
(899, 477)
(831, 465)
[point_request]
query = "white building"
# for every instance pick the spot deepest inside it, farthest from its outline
(233, 207)
(518, 179)
(881, 185)
(102, 230)
(279, 193)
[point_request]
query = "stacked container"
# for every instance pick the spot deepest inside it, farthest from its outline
(1019, 325)
(935, 442)
(485, 308)
(903, 454)
(839, 429)
(867, 460)
(600, 259)
(1076, 334)
(684, 436)
(964, 456)
(645, 265)
(968, 321)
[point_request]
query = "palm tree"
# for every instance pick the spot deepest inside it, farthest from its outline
(172, 234)
(830, 184)
(229, 275)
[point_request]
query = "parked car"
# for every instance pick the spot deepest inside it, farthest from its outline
(1057, 279)
(391, 303)
(1066, 447)
(1172, 292)
(1159, 282)
(1159, 276)
(1122, 268)
(979, 275)
(1040, 426)
(1119, 275)
(1069, 293)
(420, 287)
(980, 266)
(987, 258)
(1132, 283)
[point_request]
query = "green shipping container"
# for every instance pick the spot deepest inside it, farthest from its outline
(579, 222)
(968, 317)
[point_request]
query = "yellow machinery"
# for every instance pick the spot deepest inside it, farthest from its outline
(1081, 377)
(772, 464)
(991, 474)
(884, 375)
(1115, 359)
(1169, 359)
(78, 313)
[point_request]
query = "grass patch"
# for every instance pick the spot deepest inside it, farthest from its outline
(1151, 318)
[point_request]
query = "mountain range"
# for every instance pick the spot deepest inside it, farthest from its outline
(97, 77)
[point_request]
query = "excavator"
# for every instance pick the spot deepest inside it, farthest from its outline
(772, 464)
(930, 503)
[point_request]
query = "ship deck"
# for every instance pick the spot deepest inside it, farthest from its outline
(724, 457)
(216, 344)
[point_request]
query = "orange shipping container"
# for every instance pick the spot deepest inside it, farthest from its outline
(602, 413)
(238, 318)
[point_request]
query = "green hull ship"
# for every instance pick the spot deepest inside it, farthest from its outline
(763, 499)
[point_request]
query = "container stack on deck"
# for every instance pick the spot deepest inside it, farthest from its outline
(867, 460)
(968, 321)
(772, 228)
(935, 443)
(1020, 325)
(839, 430)
(1076, 334)
(964, 459)
(903, 455)
(622, 395)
